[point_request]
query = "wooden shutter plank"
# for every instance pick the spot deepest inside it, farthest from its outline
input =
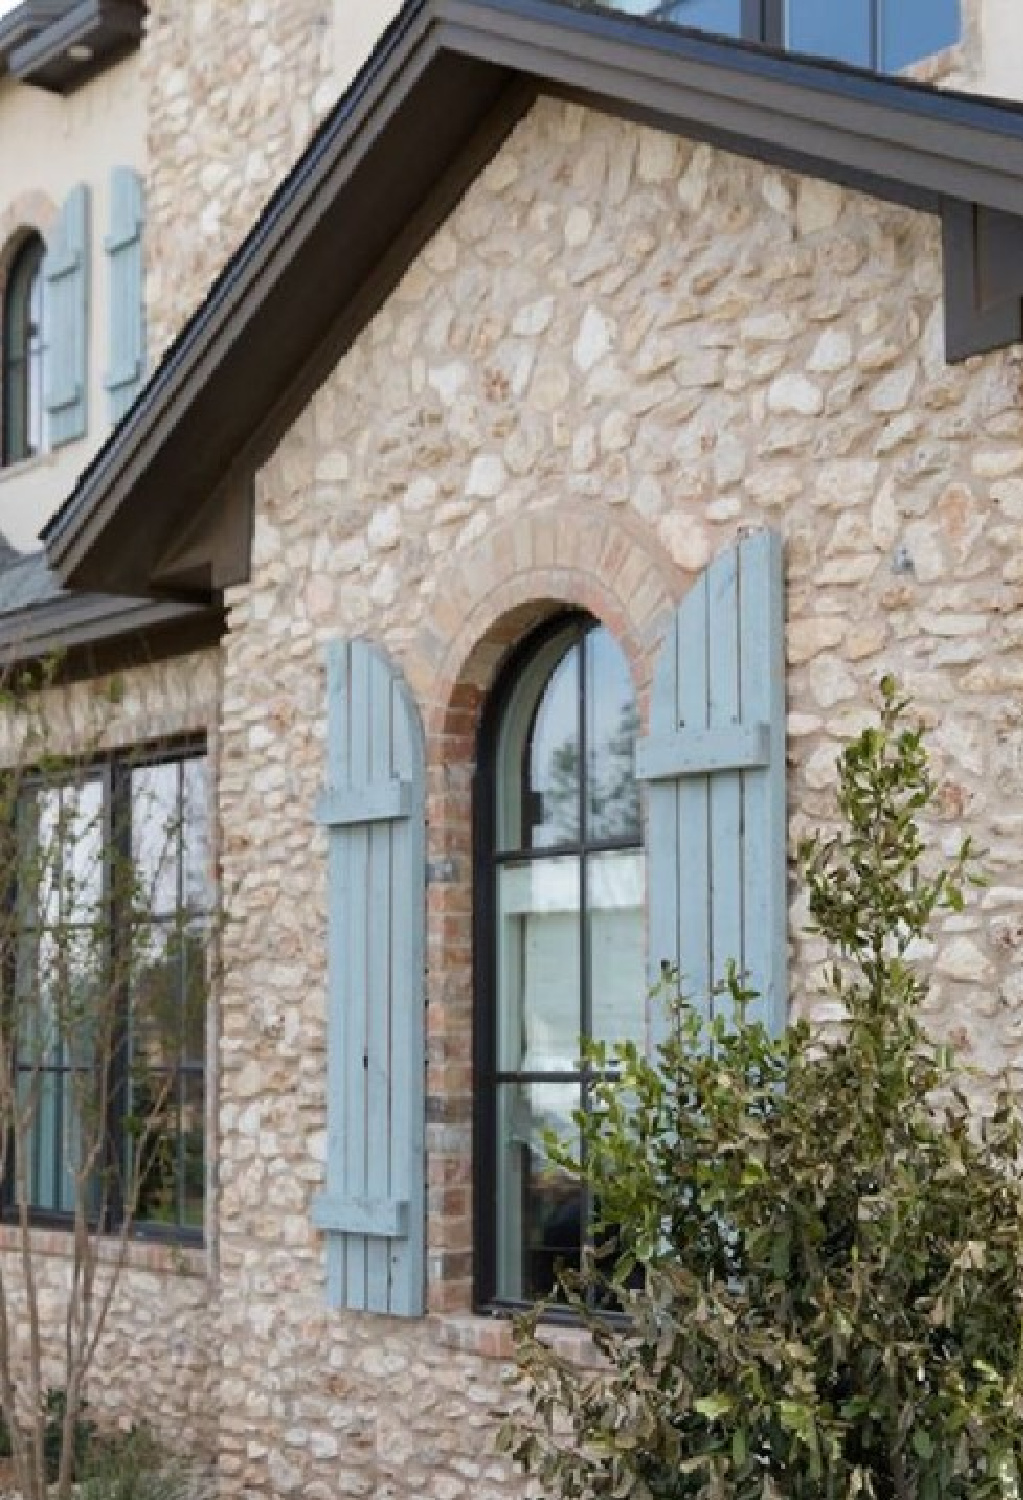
(725, 787)
(663, 838)
(356, 1041)
(694, 940)
(763, 689)
(379, 991)
(408, 1052)
(339, 972)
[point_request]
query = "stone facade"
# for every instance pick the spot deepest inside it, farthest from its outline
(233, 94)
(619, 351)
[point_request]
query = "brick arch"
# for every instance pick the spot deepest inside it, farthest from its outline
(523, 571)
(526, 569)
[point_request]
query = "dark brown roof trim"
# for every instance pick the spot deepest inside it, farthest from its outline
(60, 44)
(75, 621)
(443, 88)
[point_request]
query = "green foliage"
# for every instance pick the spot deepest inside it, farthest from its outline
(814, 1247)
(83, 1430)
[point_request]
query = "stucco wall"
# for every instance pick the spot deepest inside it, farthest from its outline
(620, 350)
(50, 144)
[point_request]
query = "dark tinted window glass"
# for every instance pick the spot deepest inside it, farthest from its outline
(839, 31)
(912, 29)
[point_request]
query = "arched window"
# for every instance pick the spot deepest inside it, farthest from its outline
(561, 935)
(23, 354)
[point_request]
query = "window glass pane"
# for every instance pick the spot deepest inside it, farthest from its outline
(612, 794)
(23, 417)
(839, 31)
(156, 996)
(913, 29)
(194, 939)
(195, 830)
(552, 788)
(538, 965)
(155, 836)
(540, 1209)
(151, 1143)
(616, 934)
(193, 1155)
(82, 840)
(531, 813)
(722, 16)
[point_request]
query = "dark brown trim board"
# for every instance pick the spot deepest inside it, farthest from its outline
(60, 44)
(447, 82)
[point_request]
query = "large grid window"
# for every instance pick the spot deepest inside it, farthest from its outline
(23, 354)
(561, 937)
(885, 35)
(107, 968)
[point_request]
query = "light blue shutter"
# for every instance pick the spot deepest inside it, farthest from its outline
(373, 807)
(715, 764)
(66, 317)
(123, 244)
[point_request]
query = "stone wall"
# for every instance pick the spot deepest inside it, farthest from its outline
(234, 89)
(619, 351)
(158, 1359)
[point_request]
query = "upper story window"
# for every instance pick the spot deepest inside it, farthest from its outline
(562, 946)
(885, 35)
(23, 354)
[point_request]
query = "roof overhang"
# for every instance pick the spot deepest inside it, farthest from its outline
(165, 506)
(60, 45)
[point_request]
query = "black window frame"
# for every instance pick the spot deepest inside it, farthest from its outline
(487, 862)
(24, 352)
(114, 770)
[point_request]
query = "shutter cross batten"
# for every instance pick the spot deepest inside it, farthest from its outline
(373, 808)
(697, 752)
(714, 762)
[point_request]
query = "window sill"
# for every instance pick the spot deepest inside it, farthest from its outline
(491, 1337)
(165, 1258)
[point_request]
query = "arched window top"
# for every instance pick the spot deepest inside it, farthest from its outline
(566, 745)
(23, 353)
(560, 934)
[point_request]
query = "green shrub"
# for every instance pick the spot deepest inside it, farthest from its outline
(816, 1243)
(135, 1466)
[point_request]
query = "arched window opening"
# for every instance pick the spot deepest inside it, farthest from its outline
(23, 353)
(561, 935)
